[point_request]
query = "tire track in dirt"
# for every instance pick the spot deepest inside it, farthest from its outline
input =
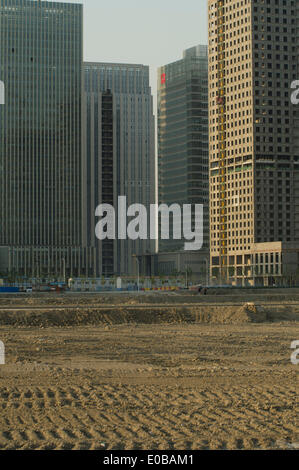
(122, 417)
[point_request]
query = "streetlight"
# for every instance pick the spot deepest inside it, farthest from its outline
(138, 268)
(63, 270)
(207, 272)
(186, 277)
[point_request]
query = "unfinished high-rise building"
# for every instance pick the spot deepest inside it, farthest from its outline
(253, 141)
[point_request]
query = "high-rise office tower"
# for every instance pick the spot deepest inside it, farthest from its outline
(183, 147)
(40, 136)
(183, 159)
(183, 162)
(254, 151)
(119, 154)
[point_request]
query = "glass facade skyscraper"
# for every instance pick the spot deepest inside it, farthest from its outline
(183, 160)
(40, 131)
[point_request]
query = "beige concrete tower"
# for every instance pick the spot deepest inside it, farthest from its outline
(254, 159)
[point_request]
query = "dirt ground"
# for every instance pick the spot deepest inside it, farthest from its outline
(173, 385)
(183, 387)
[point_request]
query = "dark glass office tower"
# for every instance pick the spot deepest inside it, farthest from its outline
(183, 136)
(40, 133)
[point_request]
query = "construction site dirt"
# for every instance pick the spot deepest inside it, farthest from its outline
(172, 371)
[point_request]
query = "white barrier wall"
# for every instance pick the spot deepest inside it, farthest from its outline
(125, 284)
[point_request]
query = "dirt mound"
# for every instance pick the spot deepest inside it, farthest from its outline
(250, 313)
(103, 316)
(247, 313)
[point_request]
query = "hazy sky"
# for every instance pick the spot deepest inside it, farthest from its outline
(153, 32)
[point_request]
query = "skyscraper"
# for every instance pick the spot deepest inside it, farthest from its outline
(40, 129)
(119, 154)
(254, 151)
(183, 148)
